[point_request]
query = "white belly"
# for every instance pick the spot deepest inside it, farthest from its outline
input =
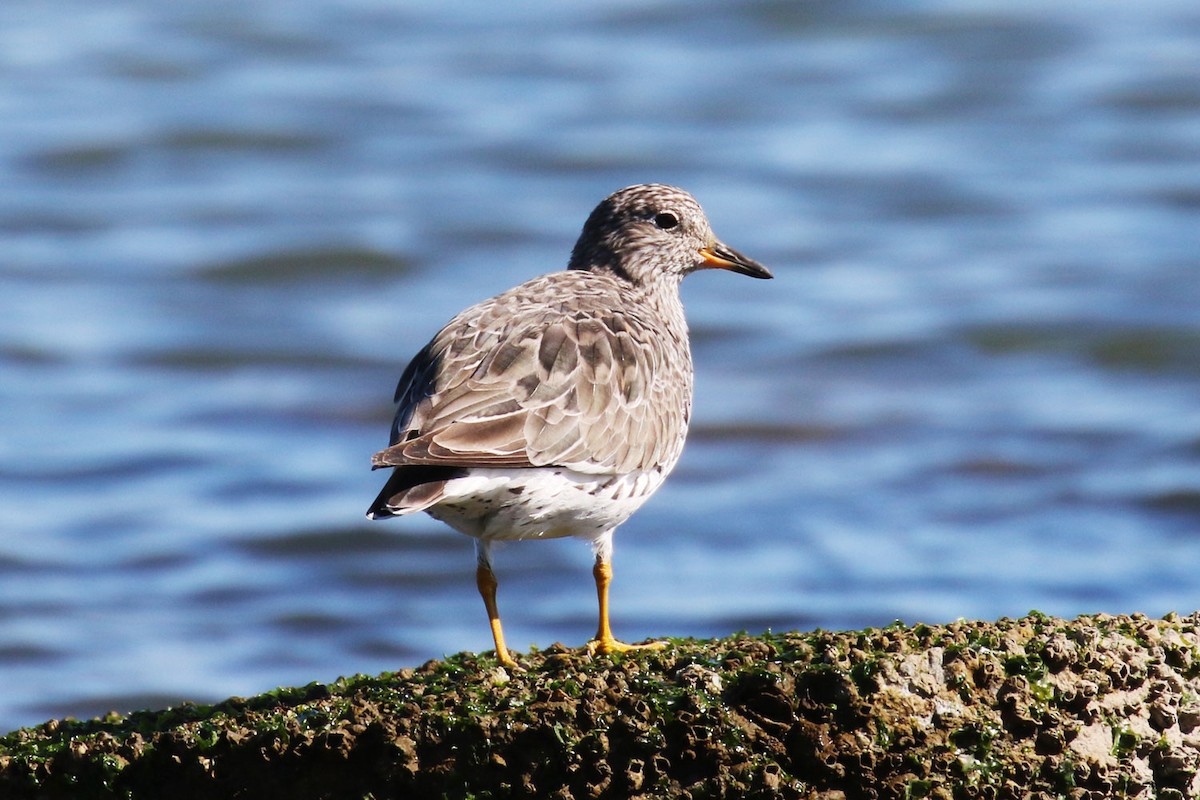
(546, 503)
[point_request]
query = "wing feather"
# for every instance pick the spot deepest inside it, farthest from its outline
(525, 379)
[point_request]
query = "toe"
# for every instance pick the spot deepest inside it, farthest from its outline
(614, 646)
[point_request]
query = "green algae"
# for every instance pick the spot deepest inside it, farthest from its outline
(1031, 707)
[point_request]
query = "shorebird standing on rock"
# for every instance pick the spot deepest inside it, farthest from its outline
(558, 407)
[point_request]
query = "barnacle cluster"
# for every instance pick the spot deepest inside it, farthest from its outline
(1094, 707)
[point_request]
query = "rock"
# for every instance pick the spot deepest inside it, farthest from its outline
(1033, 707)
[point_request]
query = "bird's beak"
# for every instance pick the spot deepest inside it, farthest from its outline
(717, 255)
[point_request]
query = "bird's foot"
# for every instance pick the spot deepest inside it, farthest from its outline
(508, 662)
(612, 645)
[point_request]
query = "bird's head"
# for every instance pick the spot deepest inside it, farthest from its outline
(652, 232)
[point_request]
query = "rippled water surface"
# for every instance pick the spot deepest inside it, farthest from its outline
(973, 388)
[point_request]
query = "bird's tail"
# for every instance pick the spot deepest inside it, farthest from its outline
(412, 488)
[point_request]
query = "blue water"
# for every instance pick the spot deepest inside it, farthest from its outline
(972, 390)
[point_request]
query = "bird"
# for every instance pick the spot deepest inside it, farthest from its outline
(557, 408)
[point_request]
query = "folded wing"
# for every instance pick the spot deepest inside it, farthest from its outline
(579, 390)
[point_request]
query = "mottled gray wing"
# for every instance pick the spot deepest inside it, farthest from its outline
(589, 392)
(416, 383)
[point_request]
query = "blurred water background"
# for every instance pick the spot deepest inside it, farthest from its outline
(972, 390)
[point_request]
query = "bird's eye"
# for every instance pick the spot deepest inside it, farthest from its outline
(666, 220)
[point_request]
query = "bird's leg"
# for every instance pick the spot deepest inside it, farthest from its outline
(605, 642)
(485, 579)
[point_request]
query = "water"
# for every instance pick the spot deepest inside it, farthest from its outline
(970, 391)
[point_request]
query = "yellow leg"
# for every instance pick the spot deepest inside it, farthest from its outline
(605, 642)
(485, 579)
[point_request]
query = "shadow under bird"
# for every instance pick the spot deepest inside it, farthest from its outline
(558, 407)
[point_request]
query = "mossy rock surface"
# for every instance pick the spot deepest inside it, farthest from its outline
(1096, 707)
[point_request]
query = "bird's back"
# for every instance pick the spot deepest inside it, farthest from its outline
(573, 369)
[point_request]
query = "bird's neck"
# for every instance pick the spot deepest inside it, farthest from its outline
(659, 296)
